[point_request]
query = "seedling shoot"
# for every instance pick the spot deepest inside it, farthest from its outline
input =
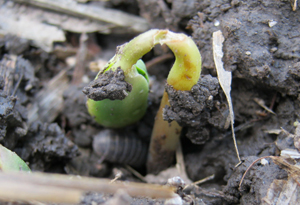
(184, 74)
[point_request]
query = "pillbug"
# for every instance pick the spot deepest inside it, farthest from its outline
(120, 148)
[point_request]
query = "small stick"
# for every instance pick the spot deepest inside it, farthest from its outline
(136, 173)
(261, 103)
(293, 4)
(18, 83)
(121, 19)
(201, 181)
(273, 101)
(80, 60)
(251, 165)
(118, 176)
(60, 188)
(15, 191)
(158, 60)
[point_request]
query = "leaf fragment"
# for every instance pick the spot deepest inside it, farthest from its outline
(224, 78)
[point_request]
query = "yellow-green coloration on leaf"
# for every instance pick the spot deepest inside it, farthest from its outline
(120, 113)
(10, 161)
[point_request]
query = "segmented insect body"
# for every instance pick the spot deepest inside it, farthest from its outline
(120, 148)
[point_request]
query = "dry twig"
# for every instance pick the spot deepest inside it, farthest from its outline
(56, 188)
(115, 17)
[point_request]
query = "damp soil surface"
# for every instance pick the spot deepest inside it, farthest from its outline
(43, 116)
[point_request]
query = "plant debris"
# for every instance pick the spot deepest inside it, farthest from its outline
(224, 78)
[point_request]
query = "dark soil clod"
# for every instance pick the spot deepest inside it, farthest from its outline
(193, 109)
(110, 85)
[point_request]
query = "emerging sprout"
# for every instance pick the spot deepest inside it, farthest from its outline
(10, 161)
(131, 107)
(183, 75)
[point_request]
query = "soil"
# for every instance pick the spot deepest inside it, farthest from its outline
(261, 49)
(111, 85)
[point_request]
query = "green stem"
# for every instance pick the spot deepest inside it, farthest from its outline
(128, 54)
(187, 67)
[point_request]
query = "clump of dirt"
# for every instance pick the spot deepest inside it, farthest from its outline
(79, 122)
(260, 46)
(75, 108)
(256, 183)
(17, 83)
(14, 44)
(193, 109)
(109, 85)
(6, 112)
(46, 147)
